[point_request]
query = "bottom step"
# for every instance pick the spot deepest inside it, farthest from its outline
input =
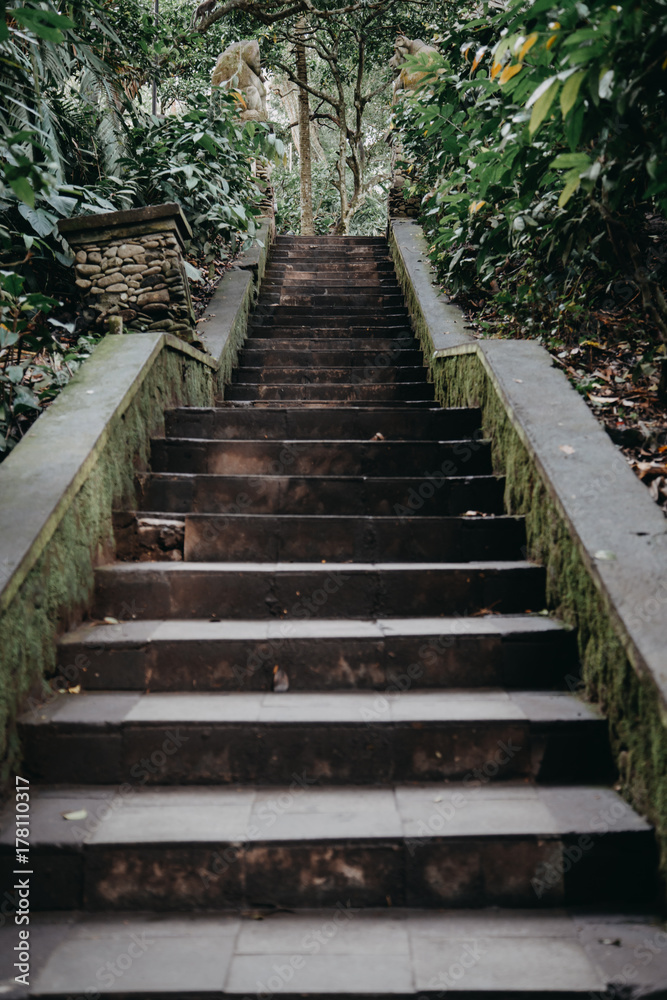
(342, 952)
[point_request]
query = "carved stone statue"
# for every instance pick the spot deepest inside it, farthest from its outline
(403, 48)
(238, 70)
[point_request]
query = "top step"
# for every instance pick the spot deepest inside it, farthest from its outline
(319, 242)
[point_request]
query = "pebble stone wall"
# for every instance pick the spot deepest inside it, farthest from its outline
(135, 273)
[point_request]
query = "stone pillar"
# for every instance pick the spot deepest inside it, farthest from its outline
(130, 264)
(401, 207)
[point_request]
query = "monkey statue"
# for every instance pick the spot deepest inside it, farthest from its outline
(407, 80)
(202, 10)
(239, 70)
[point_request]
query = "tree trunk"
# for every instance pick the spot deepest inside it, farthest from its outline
(305, 157)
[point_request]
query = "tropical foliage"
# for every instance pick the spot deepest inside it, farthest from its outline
(539, 144)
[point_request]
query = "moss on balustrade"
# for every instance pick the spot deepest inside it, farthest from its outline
(607, 677)
(59, 585)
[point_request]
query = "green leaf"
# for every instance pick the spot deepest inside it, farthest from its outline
(573, 183)
(14, 373)
(12, 282)
(44, 23)
(571, 160)
(25, 397)
(570, 91)
(22, 188)
(542, 107)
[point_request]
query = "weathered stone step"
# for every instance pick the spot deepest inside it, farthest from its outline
(298, 283)
(319, 270)
(321, 337)
(357, 423)
(320, 315)
(210, 494)
(327, 241)
(337, 738)
(287, 590)
(348, 375)
(378, 405)
(433, 845)
(338, 391)
(389, 655)
(359, 302)
(327, 457)
(326, 256)
(358, 359)
(351, 538)
(346, 952)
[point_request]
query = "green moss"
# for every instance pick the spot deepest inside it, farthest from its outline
(630, 702)
(59, 586)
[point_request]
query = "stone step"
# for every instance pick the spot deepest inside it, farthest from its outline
(337, 738)
(326, 457)
(554, 954)
(338, 391)
(302, 255)
(357, 302)
(210, 494)
(310, 338)
(351, 538)
(327, 241)
(334, 590)
(379, 405)
(332, 317)
(348, 375)
(357, 423)
(252, 357)
(298, 846)
(309, 283)
(319, 270)
(319, 654)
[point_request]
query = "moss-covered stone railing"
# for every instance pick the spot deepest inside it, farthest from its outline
(60, 485)
(589, 521)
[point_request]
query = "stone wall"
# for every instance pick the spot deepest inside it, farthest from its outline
(143, 281)
(130, 264)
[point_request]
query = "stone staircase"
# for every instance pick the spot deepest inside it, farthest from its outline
(321, 739)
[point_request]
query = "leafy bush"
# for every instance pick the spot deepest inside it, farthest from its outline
(539, 144)
(34, 362)
(201, 159)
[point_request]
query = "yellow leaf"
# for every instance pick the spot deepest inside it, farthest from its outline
(509, 72)
(664, 65)
(465, 50)
(475, 207)
(542, 106)
(551, 41)
(496, 70)
(527, 45)
(567, 192)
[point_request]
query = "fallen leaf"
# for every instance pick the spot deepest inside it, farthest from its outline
(567, 449)
(75, 690)
(605, 555)
(603, 399)
(75, 816)
(280, 680)
(111, 621)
